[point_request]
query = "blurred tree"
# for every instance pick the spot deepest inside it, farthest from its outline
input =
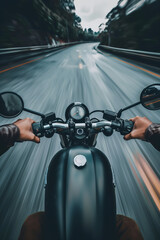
(133, 24)
(90, 31)
(68, 5)
(36, 22)
(77, 20)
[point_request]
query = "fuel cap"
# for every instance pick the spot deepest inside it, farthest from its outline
(80, 161)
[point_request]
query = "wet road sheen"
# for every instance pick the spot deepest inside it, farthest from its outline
(51, 83)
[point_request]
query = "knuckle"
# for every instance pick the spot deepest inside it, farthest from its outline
(29, 120)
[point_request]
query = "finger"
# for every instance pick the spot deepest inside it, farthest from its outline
(133, 119)
(33, 121)
(127, 137)
(30, 120)
(36, 139)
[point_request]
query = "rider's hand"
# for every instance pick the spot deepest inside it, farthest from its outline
(25, 128)
(140, 126)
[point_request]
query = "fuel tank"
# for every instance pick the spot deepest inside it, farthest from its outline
(79, 197)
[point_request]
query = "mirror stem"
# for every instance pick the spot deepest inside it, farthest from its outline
(34, 112)
(130, 106)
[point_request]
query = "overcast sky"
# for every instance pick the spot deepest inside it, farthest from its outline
(93, 12)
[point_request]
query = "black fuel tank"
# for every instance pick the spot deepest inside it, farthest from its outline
(80, 202)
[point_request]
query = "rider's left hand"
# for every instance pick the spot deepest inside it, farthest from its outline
(25, 128)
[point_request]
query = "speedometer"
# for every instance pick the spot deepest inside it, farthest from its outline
(77, 111)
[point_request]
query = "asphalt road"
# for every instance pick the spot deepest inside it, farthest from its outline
(101, 81)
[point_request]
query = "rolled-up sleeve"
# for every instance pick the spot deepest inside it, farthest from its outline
(152, 135)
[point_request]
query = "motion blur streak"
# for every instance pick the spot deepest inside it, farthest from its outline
(133, 65)
(50, 85)
(152, 102)
(5, 70)
(137, 177)
(150, 179)
(157, 75)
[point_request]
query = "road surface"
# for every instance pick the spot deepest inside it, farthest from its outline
(101, 81)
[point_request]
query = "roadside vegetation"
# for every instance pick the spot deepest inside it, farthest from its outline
(40, 22)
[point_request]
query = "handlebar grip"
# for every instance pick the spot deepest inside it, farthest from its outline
(38, 129)
(127, 127)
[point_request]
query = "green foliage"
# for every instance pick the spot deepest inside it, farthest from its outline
(36, 22)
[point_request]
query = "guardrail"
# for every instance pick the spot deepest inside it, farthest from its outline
(9, 55)
(152, 58)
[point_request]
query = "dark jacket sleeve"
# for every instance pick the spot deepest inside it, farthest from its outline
(9, 134)
(152, 135)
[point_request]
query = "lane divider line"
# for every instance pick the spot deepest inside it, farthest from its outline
(152, 102)
(80, 66)
(5, 70)
(149, 178)
(143, 69)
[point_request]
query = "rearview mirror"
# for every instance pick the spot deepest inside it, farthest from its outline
(150, 97)
(11, 104)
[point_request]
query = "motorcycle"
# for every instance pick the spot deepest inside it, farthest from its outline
(79, 193)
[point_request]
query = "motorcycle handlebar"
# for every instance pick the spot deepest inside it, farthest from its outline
(122, 126)
(78, 125)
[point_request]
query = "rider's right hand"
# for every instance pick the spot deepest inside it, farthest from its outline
(139, 129)
(25, 128)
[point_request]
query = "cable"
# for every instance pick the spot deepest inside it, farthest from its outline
(60, 119)
(97, 120)
(101, 111)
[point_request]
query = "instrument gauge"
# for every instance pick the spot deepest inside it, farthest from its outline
(77, 111)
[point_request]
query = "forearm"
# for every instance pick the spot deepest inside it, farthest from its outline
(152, 135)
(9, 134)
